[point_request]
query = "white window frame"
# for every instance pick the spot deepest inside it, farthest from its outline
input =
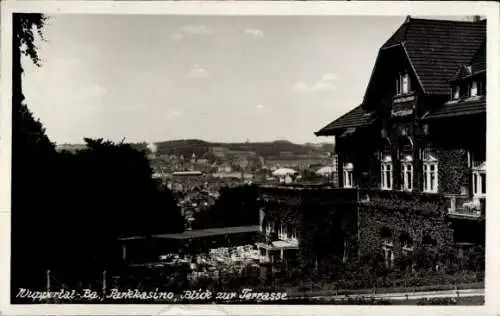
(398, 85)
(348, 175)
(386, 170)
(427, 173)
(481, 87)
(407, 169)
(407, 247)
(477, 183)
(388, 249)
(283, 233)
(473, 91)
(269, 228)
(455, 92)
(403, 84)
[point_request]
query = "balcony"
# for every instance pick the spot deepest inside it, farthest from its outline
(466, 208)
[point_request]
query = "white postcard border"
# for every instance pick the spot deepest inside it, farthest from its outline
(436, 8)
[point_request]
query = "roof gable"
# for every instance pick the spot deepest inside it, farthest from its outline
(463, 72)
(437, 47)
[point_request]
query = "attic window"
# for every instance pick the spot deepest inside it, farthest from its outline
(403, 84)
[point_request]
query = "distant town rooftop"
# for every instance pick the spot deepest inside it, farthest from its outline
(187, 173)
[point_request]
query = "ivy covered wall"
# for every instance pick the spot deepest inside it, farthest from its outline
(454, 172)
(324, 219)
(417, 215)
(373, 220)
(327, 219)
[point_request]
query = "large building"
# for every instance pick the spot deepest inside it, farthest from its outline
(411, 156)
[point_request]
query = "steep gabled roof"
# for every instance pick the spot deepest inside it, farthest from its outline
(436, 48)
(357, 117)
(476, 65)
(469, 106)
(438, 51)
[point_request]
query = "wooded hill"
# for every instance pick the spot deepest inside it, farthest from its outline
(187, 147)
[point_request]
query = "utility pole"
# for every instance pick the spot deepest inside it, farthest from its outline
(104, 285)
(48, 280)
(48, 286)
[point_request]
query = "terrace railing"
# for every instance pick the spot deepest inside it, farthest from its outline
(465, 207)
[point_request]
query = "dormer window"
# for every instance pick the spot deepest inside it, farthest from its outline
(455, 93)
(403, 84)
(473, 89)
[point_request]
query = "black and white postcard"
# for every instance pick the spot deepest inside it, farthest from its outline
(220, 158)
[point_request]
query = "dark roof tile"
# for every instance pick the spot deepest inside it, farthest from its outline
(478, 62)
(437, 48)
(463, 107)
(357, 117)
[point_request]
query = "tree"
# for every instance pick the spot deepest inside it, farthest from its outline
(32, 153)
(236, 207)
(117, 197)
(69, 209)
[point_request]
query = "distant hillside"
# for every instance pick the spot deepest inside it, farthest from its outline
(187, 147)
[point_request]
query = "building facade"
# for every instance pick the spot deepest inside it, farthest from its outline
(412, 156)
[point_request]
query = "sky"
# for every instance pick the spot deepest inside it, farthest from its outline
(216, 78)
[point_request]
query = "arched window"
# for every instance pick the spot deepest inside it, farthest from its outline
(406, 156)
(385, 233)
(387, 246)
(406, 242)
(430, 170)
(386, 168)
(348, 175)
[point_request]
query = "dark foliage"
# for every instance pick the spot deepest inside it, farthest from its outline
(69, 209)
(236, 206)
